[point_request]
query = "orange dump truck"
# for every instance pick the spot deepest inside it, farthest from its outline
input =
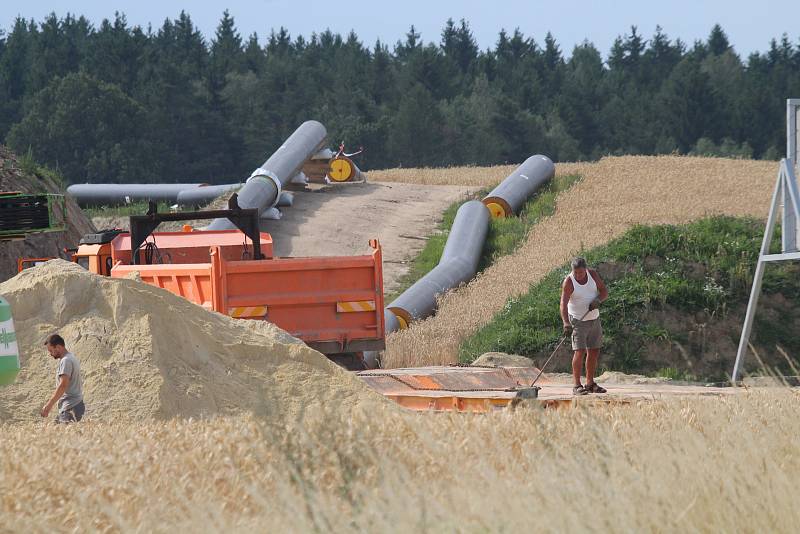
(334, 304)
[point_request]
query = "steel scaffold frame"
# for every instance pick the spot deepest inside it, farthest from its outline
(785, 198)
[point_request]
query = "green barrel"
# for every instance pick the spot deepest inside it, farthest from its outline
(9, 353)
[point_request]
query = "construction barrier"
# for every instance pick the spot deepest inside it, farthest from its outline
(9, 351)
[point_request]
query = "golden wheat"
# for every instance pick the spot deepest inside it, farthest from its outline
(614, 194)
(471, 176)
(696, 465)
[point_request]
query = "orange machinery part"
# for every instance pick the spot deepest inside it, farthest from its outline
(300, 295)
(451, 388)
(192, 247)
(26, 263)
(485, 389)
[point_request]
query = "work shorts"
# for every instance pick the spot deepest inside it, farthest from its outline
(71, 415)
(586, 334)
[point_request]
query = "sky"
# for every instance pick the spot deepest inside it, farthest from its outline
(749, 25)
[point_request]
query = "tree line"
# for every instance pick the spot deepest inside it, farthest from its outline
(121, 103)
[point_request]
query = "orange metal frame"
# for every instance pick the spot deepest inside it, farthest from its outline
(192, 247)
(26, 263)
(300, 294)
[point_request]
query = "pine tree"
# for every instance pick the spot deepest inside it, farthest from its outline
(227, 54)
(253, 55)
(718, 41)
(14, 63)
(416, 128)
(115, 53)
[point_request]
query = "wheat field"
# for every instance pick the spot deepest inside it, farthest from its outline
(700, 465)
(472, 176)
(613, 195)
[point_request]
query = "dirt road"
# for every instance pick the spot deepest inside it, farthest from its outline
(332, 220)
(340, 220)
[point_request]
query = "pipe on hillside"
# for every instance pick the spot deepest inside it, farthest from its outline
(458, 265)
(507, 198)
(263, 188)
(109, 194)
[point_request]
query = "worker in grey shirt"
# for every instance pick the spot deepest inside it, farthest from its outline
(69, 384)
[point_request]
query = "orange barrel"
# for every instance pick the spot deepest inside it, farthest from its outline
(9, 352)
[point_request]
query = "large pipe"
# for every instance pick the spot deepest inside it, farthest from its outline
(458, 265)
(105, 194)
(507, 198)
(262, 189)
(199, 196)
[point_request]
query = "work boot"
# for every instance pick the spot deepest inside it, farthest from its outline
(579, 390)
(594, 388)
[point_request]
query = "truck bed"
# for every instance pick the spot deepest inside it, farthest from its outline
(334, 304)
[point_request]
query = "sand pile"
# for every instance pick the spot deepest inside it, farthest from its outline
(146, 353)
(501, 359)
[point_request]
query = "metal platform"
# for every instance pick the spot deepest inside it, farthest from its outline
(442, 388)
(23, 214)
(485, 389)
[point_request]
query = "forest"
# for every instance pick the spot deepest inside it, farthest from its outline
(120, 103)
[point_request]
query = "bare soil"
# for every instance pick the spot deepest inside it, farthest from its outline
(51, 244)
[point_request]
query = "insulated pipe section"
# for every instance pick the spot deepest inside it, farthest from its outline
(200, 196)
(458, 265)
(344, 169)
(507, 198)
(108, 194)
(203, 195)
(262, 189)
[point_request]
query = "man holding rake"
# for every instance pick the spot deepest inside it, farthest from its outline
(582, 292)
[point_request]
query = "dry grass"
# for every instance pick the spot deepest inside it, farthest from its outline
(691, 465)
(473, 176)
(615, 194)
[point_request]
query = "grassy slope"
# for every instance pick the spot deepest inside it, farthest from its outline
(505, 235)
(701, 268)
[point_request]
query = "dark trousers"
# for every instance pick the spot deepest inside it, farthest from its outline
(71, 415)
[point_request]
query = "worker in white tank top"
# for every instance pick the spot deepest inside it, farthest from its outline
(582, 292)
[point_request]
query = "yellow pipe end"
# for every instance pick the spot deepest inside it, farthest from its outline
(403, 323)
(496, 210)
(403, 317)
(341, 170)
